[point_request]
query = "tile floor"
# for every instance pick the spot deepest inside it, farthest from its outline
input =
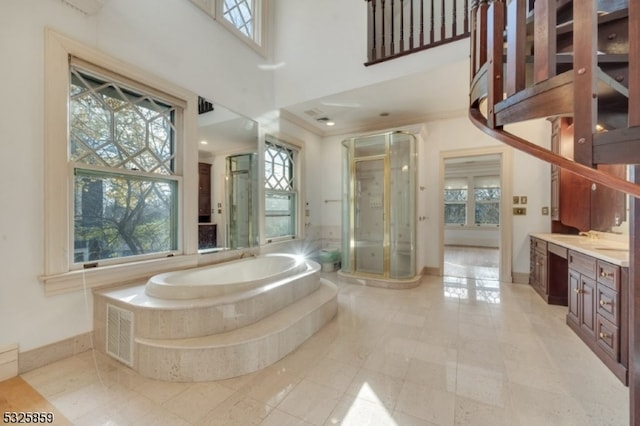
(451, 351)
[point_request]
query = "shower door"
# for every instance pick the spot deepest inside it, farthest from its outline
(241, 227)
(369, 227)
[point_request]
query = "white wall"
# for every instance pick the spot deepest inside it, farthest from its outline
(175, 41)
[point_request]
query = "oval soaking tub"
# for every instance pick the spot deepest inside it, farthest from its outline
(226, 278)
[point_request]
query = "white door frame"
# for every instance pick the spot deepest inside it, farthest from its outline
(506, 222)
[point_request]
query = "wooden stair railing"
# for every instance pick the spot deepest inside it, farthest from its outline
(533, 80)
(400, 27)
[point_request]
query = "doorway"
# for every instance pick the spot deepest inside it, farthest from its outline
(475, 226)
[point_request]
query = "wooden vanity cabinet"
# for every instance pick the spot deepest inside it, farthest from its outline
(538, 267)
(597, 309)
(548, 271)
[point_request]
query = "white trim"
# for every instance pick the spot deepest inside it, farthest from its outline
(57, 247)
(506, 221)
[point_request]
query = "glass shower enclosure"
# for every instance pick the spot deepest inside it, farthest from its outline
(242, 228)
(378, 223)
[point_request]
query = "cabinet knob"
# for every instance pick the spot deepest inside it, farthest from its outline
(604, 302)
(606, 274)
(604, 335)
(578, 291)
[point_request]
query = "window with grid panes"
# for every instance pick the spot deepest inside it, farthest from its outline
(280, 190)
(122, 149)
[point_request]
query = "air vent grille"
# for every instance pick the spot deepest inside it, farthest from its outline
(120, 334)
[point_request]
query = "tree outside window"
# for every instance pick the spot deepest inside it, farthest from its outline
(122, 149)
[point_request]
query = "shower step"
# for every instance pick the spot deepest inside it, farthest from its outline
(241, 351)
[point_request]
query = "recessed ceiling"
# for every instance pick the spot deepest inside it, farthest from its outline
(436, 94)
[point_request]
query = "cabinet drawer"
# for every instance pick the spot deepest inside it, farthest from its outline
(607, 337)
(607, 303)
(557, 250)
(539, 245)
(609, 275)
(582, 263)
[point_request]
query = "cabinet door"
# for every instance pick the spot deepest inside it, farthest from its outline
(587, 304)
(574, 296)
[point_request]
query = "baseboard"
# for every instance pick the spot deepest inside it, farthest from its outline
(38, 357)
(520, 277)
(8, 361)
(430, 270)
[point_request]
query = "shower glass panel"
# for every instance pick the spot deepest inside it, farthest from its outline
(369, 226)
(379, 182)
(241, 188)
(402, 211)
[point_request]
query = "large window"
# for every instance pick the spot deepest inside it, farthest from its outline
(122, 151)
(281, 196)
(481, 209)
(114, 170)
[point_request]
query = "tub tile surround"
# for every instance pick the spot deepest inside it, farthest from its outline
(433, 354)
(219, 337)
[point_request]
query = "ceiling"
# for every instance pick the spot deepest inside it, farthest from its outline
(436, 94)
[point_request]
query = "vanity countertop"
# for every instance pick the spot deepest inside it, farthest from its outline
(611, 248)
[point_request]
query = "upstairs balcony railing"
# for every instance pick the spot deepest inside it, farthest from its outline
(399, 27)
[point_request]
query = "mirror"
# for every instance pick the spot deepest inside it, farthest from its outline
(227, 167)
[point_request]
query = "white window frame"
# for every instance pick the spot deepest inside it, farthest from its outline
(58, 276)
(297, 185)
(258, 41)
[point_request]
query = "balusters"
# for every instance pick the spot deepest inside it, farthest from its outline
(402, 25)
(421, 22)
(585, 102)
(481, 35)
(634, 65)
(382, 42)
(431, 23)
(390, 34)
(516, 42)
(495, 42)
(544, 40)
(411, 26)
(443, 31)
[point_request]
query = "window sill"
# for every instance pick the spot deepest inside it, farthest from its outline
(104, 276)
(472, 228)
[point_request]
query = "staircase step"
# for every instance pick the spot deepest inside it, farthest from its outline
(240, 351)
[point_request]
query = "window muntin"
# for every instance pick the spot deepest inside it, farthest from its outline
(280, 191)
(122, 148)
(455, 201)
(487, 200)
(241, 14)
(243, 18)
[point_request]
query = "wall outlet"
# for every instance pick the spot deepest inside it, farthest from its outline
(545, 211)
(519, 211)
